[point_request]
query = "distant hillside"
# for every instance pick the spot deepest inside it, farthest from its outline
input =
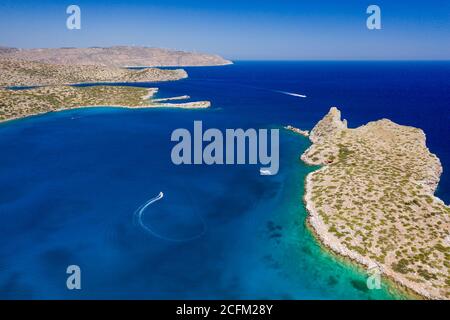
(6, 50)
(118, 56)
(15, 72)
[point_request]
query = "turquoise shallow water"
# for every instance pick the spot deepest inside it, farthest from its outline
(70, 183)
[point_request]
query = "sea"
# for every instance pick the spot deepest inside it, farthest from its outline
(73, 185)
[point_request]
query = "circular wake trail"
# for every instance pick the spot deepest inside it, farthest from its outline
(140, 212)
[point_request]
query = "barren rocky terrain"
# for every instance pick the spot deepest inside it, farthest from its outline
(27, 73)
(373, 201)
(117, 56)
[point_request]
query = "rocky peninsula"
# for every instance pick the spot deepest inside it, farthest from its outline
(373, 201)
(28, 73)
(29, 88)
(16, 104)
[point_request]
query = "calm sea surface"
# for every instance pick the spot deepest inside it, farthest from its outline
(70, 183)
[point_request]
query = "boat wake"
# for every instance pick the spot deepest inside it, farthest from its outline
(138, 214)
(291, 94)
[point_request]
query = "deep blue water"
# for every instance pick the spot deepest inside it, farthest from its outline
(71, 181)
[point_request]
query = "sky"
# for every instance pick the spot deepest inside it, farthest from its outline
(239, 30)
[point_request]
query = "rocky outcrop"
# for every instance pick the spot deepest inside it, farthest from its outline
(323, 150)
(373, 201)
(304, 133)
(330, 126)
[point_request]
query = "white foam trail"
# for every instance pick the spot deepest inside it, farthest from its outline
(265, 172)
(292, 94)
(140, 212)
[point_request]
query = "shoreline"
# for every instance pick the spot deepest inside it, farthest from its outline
(314, 224)
(229, 63)
(330, 225)
(87, 84)
(299, 131)
(103, 106)
(193, 105)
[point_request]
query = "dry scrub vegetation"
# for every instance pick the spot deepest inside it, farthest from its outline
(376, 197)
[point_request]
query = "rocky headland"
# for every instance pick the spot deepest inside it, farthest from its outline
(45, 85)
(373, 201)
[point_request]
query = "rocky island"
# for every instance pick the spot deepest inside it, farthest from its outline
(373, 201)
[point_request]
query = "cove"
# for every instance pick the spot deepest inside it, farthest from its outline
(71, 181)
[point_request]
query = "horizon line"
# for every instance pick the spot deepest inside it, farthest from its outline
(350, 60)
(239, 59)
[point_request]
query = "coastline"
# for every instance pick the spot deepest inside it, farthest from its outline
(5, 121)
(315, 225)
(194, 105)
(228, 63)
(331, 231)
(304, 133)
